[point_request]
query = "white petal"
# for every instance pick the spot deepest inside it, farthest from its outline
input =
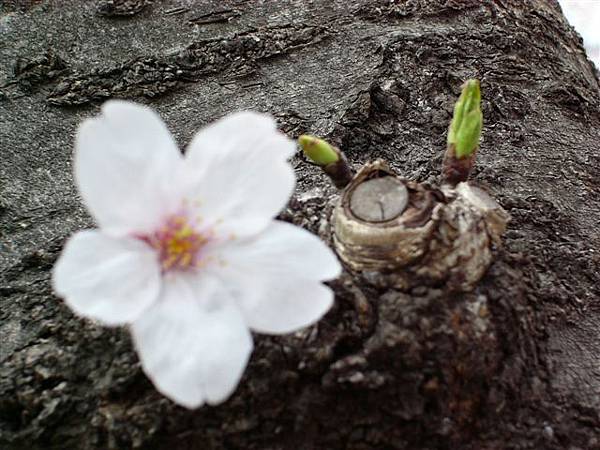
(238, 172)
(107, 278)
(285, 250)
(275, 278)
(125, 164)
(279, 306)
(238, 133)
(193, 344)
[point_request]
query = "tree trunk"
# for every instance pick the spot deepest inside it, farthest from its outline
(513, 364)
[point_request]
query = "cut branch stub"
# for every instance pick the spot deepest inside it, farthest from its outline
(382, 245)
(401, 234)
(379, 199)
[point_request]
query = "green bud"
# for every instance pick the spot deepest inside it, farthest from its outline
(465, 128)
(317, 150)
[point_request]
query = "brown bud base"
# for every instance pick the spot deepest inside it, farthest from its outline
(426, 237)
(456, 170)
(340, 172)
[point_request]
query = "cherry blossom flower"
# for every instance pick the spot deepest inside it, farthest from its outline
(187, 252)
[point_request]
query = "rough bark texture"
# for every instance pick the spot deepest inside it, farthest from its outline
(384, 369)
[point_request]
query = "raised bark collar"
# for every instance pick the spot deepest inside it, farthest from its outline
(399, 233)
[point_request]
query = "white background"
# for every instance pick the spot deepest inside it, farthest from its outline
(584, 15)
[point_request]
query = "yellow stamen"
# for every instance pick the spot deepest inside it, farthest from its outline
(178, 243)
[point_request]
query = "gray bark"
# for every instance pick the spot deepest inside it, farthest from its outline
(384, 369)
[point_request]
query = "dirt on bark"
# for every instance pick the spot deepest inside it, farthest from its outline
(514, 364)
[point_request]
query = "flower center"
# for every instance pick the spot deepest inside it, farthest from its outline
(178, 244)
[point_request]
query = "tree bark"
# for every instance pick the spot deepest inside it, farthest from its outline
(513, 364)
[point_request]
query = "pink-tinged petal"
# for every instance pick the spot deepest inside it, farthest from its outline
(110, 279)
(125, 164)
(238, 174)
(193, 343)
(276, 277)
